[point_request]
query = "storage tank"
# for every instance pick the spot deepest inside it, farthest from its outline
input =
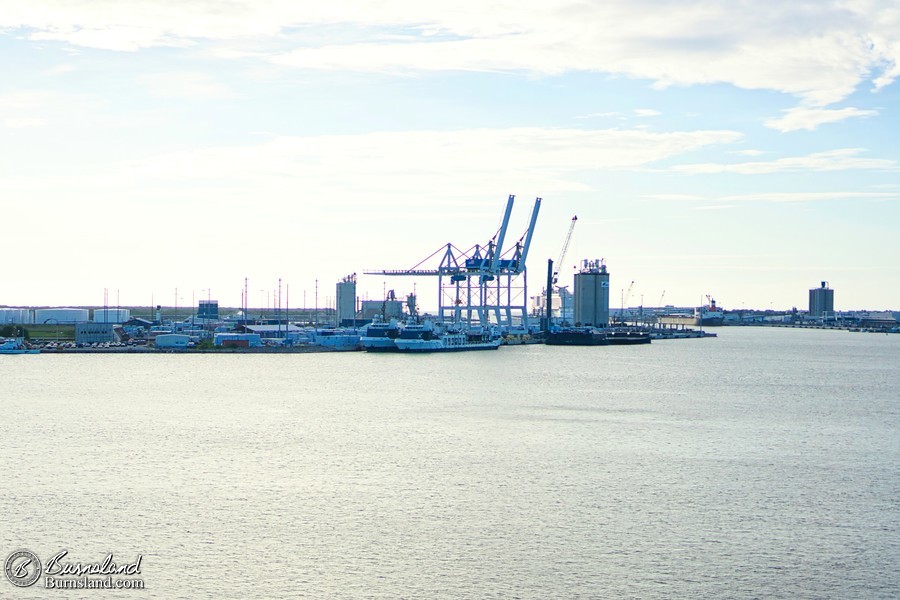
(592, 294)
(61, 315)
(16, 316)
(111, 315)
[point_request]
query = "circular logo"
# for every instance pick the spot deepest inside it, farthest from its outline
(23, 568)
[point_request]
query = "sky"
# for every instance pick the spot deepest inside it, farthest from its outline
(166, 150)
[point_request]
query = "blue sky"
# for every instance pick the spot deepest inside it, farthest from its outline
(745, 150)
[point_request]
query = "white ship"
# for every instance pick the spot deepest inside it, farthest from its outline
(428, 337)
(379, 336)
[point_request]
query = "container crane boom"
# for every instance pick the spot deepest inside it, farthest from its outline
(534, 215)
(498, 249)
(565, 249)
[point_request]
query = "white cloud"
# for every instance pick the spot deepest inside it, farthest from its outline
(25, 100)
(675, 197)
(20, 122)
(599, 115)
(811, 118)
(193, 86)
(391, 168)
(715, 207)
(646, 112)
(810, 196)
(833, 160)
(400, 163)
(818, 51)
(772, 197)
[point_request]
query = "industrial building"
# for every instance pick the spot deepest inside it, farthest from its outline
(286, 332)
(208, 310)
(592, 294)
(821, 301)
(238, 340)
(345, 300)
(563, 301)
(389, 308)
(96, 333)
(172, 340)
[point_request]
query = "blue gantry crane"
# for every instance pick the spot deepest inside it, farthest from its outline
(484, 285)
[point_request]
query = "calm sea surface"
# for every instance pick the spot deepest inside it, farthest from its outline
(762, 464)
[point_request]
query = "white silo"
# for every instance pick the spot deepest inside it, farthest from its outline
(111, 315)
(16, 316)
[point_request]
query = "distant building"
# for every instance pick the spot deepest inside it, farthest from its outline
(238, 340)
(95, 333)
(821, 300)
(592, 294)
(389, 308)
(208, 310)
(345, 304)
(172, 340)
(563, 304)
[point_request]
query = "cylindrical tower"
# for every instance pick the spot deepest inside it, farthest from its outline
(592, 294)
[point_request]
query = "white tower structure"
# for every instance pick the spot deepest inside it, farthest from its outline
(345, 299)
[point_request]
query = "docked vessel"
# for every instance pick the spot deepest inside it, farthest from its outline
(627, 338)
(591, 336)
(576, 336)
(428, 337)
(710, 315)
(379, 336)
(679, 334)
(16, 346)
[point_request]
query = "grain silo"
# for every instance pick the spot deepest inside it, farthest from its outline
(592, 294)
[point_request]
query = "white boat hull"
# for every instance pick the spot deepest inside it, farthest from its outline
(444, 345)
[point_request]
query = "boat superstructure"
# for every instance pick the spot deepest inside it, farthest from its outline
(16, 345)
(379, 336)
(428, 336)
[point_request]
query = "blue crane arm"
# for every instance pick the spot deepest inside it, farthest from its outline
(534, 215)
(498, 250)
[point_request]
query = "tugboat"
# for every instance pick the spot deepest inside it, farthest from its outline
(16, 346)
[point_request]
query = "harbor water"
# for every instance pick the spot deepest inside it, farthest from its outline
(764, 463)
